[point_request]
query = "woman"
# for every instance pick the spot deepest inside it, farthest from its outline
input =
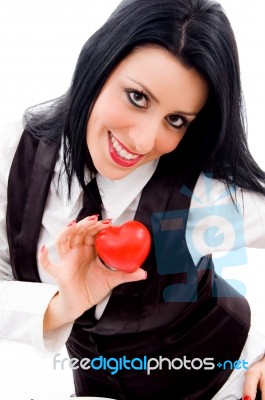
(155, 102)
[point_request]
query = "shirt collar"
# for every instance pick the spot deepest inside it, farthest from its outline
(116, 195)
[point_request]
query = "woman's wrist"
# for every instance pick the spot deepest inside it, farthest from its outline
(56, 314)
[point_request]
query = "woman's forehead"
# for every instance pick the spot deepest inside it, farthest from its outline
(155, 70)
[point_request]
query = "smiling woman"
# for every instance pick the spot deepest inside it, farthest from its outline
(151, 129)
(149, 114)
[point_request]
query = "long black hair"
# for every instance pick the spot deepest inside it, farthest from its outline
(198, 33)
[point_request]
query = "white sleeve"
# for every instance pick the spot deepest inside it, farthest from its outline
(22, 307)
(22, 304)
(254, 220)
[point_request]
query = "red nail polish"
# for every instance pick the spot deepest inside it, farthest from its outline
(71, 223)
(93, 217)
(247, 398)
(107, 221)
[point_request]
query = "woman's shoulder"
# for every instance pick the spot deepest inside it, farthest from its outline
(210, 190)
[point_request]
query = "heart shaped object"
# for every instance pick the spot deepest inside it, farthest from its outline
(124, 247)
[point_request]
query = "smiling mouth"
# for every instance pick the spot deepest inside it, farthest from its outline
(120, 154)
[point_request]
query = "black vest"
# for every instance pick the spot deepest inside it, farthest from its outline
(181, 311)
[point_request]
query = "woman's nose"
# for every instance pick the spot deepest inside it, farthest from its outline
(143, 138)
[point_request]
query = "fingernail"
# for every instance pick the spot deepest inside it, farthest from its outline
(93, 217)
(42, 248)
(71, 223)
(246, 398)
(145, 275)
(107, 221)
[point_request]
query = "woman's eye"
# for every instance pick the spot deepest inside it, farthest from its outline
(176, 121)
(138, 99)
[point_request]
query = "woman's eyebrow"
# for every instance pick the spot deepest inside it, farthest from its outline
(148, 91)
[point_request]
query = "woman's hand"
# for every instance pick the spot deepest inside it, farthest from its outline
(255, 379)
(82, 279)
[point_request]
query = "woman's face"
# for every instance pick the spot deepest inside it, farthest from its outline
(143, 111)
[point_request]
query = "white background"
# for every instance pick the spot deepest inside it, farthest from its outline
(39, 44)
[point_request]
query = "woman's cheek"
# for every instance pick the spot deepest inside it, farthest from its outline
(118, 115)
(166, 145)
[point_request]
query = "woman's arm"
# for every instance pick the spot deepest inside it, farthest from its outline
(244, 227)
(242, 224)
(22, 304)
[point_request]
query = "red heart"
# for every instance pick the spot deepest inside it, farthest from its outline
(124, 247)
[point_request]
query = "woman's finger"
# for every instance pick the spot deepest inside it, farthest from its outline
(252, 379)
(73, 235)
(119, 277)
(85, 232)
(90, 234)
(62, 242)
(44, 261)
(116, 277)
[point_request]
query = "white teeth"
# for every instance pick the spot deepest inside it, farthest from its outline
(123, 153)
(120, 151)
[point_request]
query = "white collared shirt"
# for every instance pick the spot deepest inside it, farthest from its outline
(23, 304)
